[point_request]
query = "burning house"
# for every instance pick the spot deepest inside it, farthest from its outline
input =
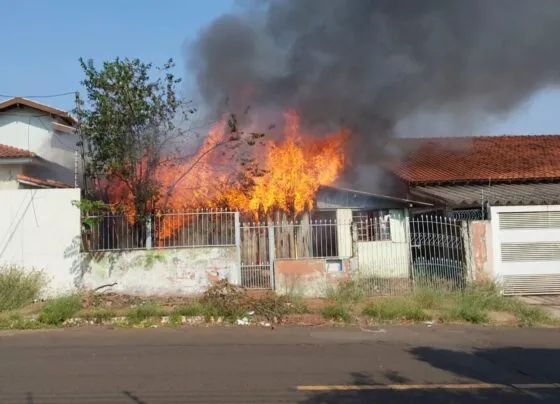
(337, 78)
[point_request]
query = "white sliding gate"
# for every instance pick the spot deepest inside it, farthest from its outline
(526, 244)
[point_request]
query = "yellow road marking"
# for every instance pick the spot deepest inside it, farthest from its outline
(462, 386)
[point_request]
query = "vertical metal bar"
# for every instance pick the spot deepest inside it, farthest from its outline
(271, 255)
(183, 243)
(238, 275)
(149, 232)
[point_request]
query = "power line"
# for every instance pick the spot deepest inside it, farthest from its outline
(39, 96)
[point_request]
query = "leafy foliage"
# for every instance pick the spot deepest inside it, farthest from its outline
(336, 312)
(128, 121)
(395, 308)
(144, 311)
(19, 287)
(58, 310)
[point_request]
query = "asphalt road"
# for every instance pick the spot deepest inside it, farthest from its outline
(301, 365)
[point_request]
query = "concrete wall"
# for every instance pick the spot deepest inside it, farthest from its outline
(390, 258)
(480, 255)
(32, 130)
(183, 271)
(309, 277)
(38, 228)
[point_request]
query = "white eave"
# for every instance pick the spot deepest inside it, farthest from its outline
(59, 127)
(17, 160)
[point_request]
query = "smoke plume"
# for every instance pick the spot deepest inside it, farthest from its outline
(369, 64)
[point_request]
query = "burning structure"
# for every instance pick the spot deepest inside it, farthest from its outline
(339, 78)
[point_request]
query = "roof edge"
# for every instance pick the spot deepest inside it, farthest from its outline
(389, 198)
(39, 107)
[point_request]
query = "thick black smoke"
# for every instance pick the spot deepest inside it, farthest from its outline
(368, 64)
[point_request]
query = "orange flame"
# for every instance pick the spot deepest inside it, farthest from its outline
(293, 170)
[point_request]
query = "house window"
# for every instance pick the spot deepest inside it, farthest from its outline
(373, 225)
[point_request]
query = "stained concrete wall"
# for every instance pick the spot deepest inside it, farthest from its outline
(40, 229)
(480, 253)
(309, 277)
(186, 271)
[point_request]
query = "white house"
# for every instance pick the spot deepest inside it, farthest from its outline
(38, 146)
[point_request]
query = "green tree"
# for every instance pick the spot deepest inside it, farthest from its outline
(126, 122)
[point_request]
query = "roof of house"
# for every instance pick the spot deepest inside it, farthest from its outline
(482, 159)
(24, 179)
(20, 101)
(330, 197)
(475, 195)
(9, 152)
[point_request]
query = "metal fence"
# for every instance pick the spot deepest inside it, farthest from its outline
(439, 254)
(469, 214)
(389, 255)
(201, 228)
(263, 243)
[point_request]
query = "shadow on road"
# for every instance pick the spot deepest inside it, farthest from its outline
(525, 376)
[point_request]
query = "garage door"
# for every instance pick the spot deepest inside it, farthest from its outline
(527, 249)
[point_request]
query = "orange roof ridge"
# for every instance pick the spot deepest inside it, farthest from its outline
(477, 158)
(11, 152)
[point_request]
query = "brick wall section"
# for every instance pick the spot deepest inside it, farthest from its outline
(307, 277)
(481, 251)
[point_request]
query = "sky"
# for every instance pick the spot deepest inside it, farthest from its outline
(39, 56)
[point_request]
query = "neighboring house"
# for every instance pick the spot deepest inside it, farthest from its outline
(37, 146)
(514, 181)
(466, 175)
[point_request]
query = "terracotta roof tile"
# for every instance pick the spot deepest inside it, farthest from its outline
(9, 152)
(477, 159)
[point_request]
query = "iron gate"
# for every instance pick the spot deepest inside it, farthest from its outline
(438, 253)
(256, 268)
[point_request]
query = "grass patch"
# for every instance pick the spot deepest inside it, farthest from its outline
(395, 308)
(175, 319)
(18, 322)
(58, 310)
(347, 293)
(19, 287)
(144, 312)
(335, 312)
(297, 305)
(98, 316)
(464, 312)
(189, 310)
(530, 316)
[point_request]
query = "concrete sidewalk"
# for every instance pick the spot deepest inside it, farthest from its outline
(549, 303)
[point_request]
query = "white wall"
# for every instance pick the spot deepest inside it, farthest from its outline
(391, 258)
(37, 230)
(8, 175)
(32, 130)
(181, 271)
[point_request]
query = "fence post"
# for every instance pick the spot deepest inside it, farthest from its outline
(467, 250)
(236, 276)
(149, 243)
(271, 254)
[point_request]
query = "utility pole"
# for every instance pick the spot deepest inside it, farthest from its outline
(81, 144)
